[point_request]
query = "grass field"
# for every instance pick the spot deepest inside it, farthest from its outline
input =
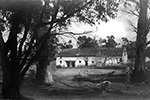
(64, 88)
(59, 91)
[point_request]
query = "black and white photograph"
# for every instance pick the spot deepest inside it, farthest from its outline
(74, 49)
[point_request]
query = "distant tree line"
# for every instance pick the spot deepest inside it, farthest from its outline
(88, 42)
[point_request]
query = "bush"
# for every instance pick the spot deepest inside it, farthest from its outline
(58, 66)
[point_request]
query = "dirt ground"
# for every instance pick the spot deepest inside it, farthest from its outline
(117, 91)
(41, 93)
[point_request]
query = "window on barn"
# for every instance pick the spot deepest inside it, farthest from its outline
(120, 59)
(86, 63)
(68, 63)
(60, 61)
(92, 61)
(72, 63)
(79, 61)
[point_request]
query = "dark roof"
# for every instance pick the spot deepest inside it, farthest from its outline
(109, 52)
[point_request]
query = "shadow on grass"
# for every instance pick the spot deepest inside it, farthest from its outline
(89, 92)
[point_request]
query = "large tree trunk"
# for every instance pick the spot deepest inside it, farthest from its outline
(11, 86)
(10, 63)
(41, 70)
(138, 73)
(11, 79)
(42, 64)
(44, 60)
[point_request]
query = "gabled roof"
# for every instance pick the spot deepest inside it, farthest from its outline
(90, 52)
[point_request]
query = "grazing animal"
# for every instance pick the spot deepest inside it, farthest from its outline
(104, 86)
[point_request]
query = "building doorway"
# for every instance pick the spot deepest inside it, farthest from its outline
(70, 63)
(86, 63)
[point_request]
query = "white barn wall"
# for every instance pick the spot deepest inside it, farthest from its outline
(113, 60)
(95, 60)
(64, 59)
(125, 56)
(57, 61)
(80, 61)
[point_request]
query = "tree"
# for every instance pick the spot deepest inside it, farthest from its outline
(110, 42)
(125, 41)
(46, 56)
(130, 46)
(147, 51)
(141, 41)
(86, 42)
(66, 45)
(27, 18)
(143, 23)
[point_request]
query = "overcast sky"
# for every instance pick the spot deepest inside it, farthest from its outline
(118, 27)
(112, 27)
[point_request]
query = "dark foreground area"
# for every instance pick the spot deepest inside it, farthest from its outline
(140, 92)
(59, 91)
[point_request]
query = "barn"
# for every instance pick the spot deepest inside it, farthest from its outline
(92, 57)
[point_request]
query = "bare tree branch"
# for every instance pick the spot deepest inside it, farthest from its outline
(147, 28)
(64, 17)
(2, 20)
(48, 34)
(23, 40)
(26, 56)
(147, 43)
(133, 26)
(128, 11)
(72, 33)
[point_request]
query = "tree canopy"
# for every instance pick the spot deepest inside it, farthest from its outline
(111, 42)
(31, 23)
(66, 45)
(86, 42)
(140, 10)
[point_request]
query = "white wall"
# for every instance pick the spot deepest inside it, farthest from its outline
(125, 56)
(112, 61)
(80, 61)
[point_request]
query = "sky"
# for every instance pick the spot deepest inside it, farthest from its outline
(113, 27)
(117, 27)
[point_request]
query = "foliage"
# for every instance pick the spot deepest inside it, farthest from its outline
(141, 8)
(66, 45)
(86, 42)
(130, 46)
(30, 24)
(147, 51)
(110, 42)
